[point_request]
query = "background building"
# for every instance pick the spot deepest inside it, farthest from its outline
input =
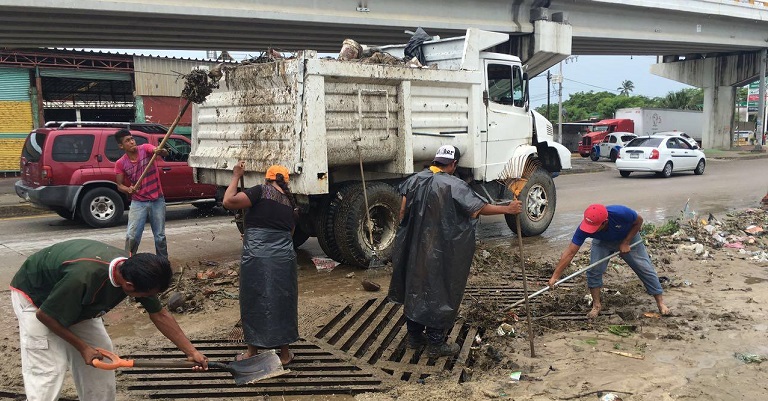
(42, 85)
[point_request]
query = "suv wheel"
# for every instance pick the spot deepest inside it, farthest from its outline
(101, 207)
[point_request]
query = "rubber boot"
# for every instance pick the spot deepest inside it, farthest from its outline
(443, 349)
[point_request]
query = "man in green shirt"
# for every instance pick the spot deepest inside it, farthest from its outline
(59, 295)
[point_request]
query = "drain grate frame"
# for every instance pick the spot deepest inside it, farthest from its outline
(314, 371)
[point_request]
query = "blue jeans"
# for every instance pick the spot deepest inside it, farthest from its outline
(138, 214)
(637, 259)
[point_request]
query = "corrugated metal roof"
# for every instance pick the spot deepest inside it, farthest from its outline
(162, 76)
(119, 53)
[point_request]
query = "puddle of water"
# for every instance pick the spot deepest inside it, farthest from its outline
(754, 280)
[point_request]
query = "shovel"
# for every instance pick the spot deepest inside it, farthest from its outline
(250, 370)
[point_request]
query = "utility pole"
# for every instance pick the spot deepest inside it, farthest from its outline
(761, 103)
(549, 85)
(560, 105)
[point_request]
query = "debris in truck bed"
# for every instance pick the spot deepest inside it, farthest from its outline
(197, 86)
(381, 58)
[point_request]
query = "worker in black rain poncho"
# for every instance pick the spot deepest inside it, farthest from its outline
(433, 249)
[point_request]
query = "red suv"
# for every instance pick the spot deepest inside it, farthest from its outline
(68, 167)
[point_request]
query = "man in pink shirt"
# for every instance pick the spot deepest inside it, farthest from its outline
(147, 201)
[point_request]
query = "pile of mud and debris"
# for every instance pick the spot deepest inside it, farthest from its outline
(352, 51)
(738, 234)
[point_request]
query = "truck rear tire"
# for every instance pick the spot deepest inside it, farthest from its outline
(324, 229)
(352, 231)
(539, 201)
(101, 207)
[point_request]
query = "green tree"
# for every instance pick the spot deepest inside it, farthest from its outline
(684, 99)
(626, 88)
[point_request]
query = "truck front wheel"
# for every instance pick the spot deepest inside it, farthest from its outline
(351, 227)
(539, 201)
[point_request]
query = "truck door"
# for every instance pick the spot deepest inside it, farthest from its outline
(509, 123)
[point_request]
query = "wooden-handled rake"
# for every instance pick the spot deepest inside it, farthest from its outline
(514, 177)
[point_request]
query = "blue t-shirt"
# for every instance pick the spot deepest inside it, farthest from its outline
(620, 219)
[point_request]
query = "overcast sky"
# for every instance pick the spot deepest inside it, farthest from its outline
(581, 73)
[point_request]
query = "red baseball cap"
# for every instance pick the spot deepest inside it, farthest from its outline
(594, 217)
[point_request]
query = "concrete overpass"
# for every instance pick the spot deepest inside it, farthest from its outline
(700, 39)
(638, 27)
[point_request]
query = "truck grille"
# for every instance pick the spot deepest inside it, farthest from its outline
(586, 141)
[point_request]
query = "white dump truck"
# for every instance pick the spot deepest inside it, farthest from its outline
(320, 117)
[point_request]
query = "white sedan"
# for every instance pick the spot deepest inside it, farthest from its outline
(661, 154)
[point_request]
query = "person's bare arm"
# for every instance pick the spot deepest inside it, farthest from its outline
(637, 225)
(513, 207)
(234, 200)
(565, 260)
(88, 352)
(167, 325)
(120, 181)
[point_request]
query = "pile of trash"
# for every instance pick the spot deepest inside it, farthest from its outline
(208, 285)
(351, 50)
(742, 231)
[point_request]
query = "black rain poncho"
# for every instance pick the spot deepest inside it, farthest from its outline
(434, 247)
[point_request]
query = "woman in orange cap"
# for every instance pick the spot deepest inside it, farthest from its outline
(269, 289)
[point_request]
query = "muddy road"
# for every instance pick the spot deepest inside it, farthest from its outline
(194, 236)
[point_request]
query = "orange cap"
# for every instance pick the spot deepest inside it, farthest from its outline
(274, 170)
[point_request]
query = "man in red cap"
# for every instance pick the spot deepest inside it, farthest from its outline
(613, 228)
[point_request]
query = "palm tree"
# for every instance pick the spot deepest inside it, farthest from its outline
(625, 88)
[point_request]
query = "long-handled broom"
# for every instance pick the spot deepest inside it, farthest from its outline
(514, 177)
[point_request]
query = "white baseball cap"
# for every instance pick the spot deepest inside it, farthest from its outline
(447, 154)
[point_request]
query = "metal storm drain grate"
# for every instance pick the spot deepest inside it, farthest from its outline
(314, 371)
(507, 295)
(374, 333)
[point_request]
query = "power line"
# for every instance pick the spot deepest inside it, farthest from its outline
(594, 86)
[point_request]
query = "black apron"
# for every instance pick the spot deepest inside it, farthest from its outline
(269, 289)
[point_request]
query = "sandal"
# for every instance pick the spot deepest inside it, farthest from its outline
(241, 356)
(291, 357)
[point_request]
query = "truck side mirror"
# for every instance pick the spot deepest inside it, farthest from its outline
(526, 98)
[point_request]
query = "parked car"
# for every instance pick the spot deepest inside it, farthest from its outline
(610, 146)
(68, 167)
(661, 154)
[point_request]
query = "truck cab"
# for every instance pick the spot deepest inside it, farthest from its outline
(598, 132)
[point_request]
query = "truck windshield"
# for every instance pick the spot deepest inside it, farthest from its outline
(599, 128)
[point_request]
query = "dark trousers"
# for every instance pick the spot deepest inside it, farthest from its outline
(434, 336)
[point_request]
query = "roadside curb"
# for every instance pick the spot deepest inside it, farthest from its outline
(22, 209)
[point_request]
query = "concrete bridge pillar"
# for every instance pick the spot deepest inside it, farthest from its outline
(718, 76)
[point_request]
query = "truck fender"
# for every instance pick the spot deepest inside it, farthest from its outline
(555, 156)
